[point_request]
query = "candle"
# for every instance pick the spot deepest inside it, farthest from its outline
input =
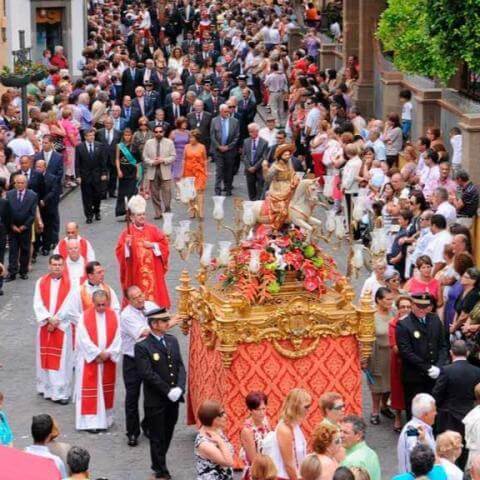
(206, 257)
(185, 226)
(224, 252)
(254, 264)
(330, 223)
(179, 239)
(248, 213)
(218, 212)
(190, 187)
(340, 226)
(168, 223)
(357, 256)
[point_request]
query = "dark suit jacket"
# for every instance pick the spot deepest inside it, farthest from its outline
(4, 216)
(234, 68)
(35, 182)
(129, 84)
(55, 165)
(169, 117)
(90, 169)
(160, 368)
(260, 154)
(109, 149)
(22, 213)
(421, 346)
(149, 109)
(453, 390)
(203, 125)
(216, 134)
(129, 121)
(51, 193)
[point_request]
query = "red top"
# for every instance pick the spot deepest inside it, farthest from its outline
(415, 285)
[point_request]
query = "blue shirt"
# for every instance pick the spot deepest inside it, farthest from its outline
(6, 435)
(224, 131)
(436, 473)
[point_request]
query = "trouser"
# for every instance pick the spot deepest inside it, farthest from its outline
(161, 191)
(254, 186)
(133, 384)
(112, 178)
(224, 165)
(161, 422)
(19, 250)
(45, 240)
(275, 102)
(3, 245)
(55, 226)
(411, 389)
(91, 199)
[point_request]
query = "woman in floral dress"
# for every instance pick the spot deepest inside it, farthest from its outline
(254, 430)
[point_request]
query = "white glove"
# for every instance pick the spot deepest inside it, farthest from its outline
(174, 394)
(433, 372)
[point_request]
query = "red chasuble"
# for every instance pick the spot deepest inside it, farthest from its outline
(62, 248)
(143, 268)
(90, 370)
(51, 343)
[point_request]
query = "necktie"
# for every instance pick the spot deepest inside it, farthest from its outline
(254, 151)
(117, 124)
(177, 111)
(224, 131)
(90, 148)
(20, 196)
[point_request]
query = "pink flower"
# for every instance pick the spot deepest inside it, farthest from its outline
(283, 242)
(294, 259)
(310, 283)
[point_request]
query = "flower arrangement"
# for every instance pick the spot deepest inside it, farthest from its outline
(278, 254)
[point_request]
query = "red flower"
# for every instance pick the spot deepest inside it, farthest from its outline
(294, 259)
(266, 257)
(309, 269)
(283, 242)
(311, 283)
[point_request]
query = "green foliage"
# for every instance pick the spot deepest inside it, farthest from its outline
(404, 29)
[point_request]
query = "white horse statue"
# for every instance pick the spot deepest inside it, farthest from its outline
(300, 209)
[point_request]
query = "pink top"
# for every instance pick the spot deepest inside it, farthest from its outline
(72, 132)
(415, 285)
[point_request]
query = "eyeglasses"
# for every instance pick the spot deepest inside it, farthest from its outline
(338, 407)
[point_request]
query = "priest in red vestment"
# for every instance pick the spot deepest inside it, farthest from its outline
(142, 252)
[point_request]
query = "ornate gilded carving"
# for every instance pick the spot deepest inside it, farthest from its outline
(292, 315)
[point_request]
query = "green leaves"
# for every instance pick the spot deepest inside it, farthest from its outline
(432, 37)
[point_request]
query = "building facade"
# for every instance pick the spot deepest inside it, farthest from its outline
(48, 23)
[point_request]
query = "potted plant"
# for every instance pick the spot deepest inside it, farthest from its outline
(39, 72)
(17, 78)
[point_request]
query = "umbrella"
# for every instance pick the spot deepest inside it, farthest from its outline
(15, 465)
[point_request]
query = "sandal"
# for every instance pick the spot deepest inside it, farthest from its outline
(386, 412)
(374, 419)
(397, 429)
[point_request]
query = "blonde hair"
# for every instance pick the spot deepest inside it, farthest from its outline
(447, 442)
(263, 468)
(292, 409)
(311, 468)
(360, 473)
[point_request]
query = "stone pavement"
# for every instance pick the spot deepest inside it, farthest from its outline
(111, 457)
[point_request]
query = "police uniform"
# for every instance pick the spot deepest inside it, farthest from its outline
(160, 365)
(421, 344)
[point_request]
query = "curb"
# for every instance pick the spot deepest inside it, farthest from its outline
(66, 192)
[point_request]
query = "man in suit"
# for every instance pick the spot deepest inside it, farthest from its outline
(254, 152)
(34, 179)
(197, 86)
(224, 135)
(159, 363)
(175, 110)
(454, 392)
(152, 99)
(141, 107)
(159, 121)
(247, 109)
(127, 112)
(91, 169)
(205, 53)
(109, 138)
(132, 77)
(200, 120)
(150, 74)
(188, 42)
(48, 204)
(232, 66)
(22, 205)
(158, 156)
(422, 346)
(119, 123)
(213, 104)
(53, 159)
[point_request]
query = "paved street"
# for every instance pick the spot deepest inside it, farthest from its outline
(111, 457)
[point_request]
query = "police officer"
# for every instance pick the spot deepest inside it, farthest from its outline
(423, 348)
(133, 328)
(159, 364)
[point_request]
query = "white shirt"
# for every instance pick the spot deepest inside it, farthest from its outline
(457, 143)
(76, 270)
(452, 471)
(436, 246)
(371, 285)
(132, 324)
(448, 211)
(268, 135)
(21, 146)
(313, 120)
(43, 451)
(407, 111)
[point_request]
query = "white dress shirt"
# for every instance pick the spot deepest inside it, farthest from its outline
(132, 323)
(448, 211)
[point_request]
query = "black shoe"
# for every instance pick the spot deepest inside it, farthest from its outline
(89, 220)
(228, 194)
(63, 401)
(24, 276)
(98, 217)
(10, 278)
(94, 431)
(1, 292)
(132, 441)
(112, 195)
(386, 412)
(375, 419)
(45, 253)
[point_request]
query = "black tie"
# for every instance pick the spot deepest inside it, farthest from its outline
(90, 148)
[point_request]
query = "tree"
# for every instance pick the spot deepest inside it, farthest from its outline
(432, 37)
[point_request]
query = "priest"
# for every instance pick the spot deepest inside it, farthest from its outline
(142, 252)
(54, 343)
(72, 233)
(98, 352)
(75, 263)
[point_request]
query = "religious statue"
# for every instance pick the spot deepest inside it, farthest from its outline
(283, 183)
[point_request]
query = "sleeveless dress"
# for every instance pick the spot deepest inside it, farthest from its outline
(417, 286)
(180, 140)
(259, 434)
(206, 469)
(299, 453)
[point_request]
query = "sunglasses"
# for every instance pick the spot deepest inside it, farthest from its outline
(158, 131)
(338, 407)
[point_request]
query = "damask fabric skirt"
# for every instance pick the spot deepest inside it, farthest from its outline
(379, 365)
